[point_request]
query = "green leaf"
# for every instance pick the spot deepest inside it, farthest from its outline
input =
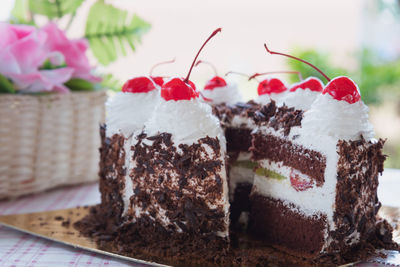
(80, 85)
(20, 13)
(269, 174)
(47, 65)
(374, 74)
(54, 8)
(317, 58)
(109, 82)
(6, 86)
(111, 30)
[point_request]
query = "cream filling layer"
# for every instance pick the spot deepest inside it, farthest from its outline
(308, 200)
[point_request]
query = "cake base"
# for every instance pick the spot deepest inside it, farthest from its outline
(244, 249)
(276, 222)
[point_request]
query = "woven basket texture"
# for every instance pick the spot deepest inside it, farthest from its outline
(48, 141)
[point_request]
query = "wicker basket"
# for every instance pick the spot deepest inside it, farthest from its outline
(48, 141)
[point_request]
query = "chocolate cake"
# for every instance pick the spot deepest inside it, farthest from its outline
(169, 177)
(183, 175)
(321, 195)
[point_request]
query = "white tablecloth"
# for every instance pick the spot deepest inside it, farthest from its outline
(18, 249)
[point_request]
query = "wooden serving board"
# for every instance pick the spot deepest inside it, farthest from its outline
(58, 226)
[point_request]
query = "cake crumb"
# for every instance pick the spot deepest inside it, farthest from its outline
(59, 218)
(66, 223)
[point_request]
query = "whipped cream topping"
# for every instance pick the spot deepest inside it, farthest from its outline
(300, 99)
(229, 94)
(127, 112)
(338, 119)
(277, 97)
(186, 120)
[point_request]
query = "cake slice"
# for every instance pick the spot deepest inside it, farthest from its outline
(312, 173)
(163, 166)
(178, 171)
(309, 180)
(314, 190)
(315, 186)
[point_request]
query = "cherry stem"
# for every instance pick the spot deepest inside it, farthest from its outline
(240, 73)
(301, 60)
(276, 72)
(205, 98)
(209, 64)
(186, 80)
(237, 73)
(161, 63)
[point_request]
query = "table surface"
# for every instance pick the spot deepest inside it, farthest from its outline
(19, 249)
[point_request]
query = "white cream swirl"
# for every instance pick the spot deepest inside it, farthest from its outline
(186, 120)
(266, 98)
(227, 94)
(338, 119)
(300, 99)
(127, 112)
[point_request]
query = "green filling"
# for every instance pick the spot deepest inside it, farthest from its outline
(248, 164)
(270, 174)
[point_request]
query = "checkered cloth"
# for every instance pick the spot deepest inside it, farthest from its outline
(19, 249)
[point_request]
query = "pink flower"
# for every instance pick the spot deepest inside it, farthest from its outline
(22, 53)
(24, 50)
(72, 50)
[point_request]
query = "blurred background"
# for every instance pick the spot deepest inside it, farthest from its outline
(359, 38)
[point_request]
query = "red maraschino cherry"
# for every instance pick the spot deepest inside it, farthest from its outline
(158, 79)
(272, 85)
(340, 88)
(267, 86)
(299, 183)
(176, 89)
(139, 85)
(214, 82)
(343, 88)
(311, 83)
(182, 88)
